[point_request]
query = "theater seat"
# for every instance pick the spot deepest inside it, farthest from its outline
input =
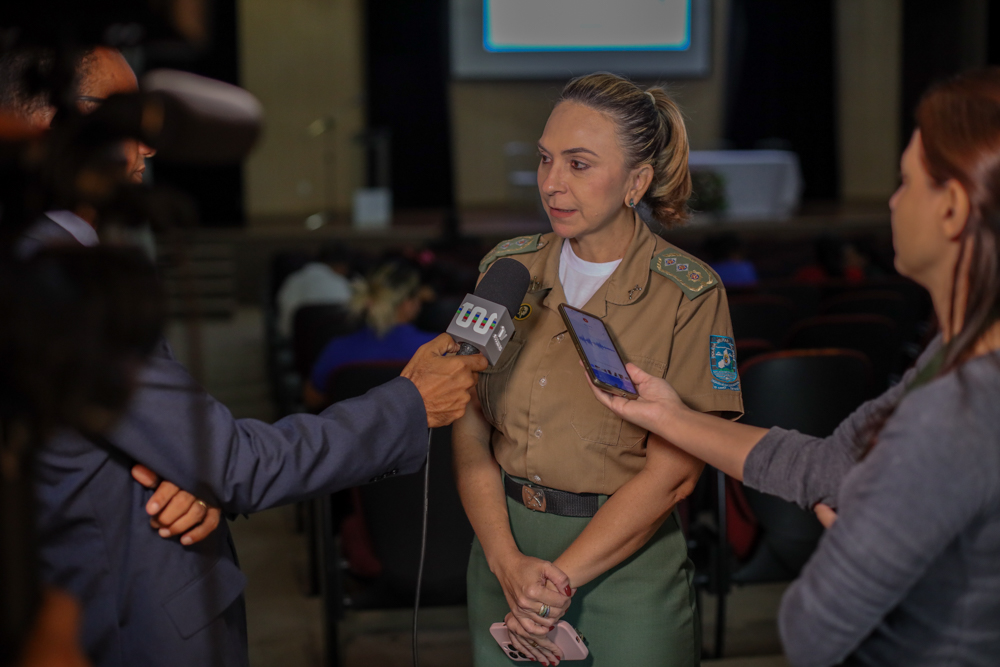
(887, 303)
(748, 348)
(393, 511)
(761, 316)
(875, 336)
(811, 391)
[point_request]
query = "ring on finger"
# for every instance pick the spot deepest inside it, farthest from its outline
(533, 644)
(543, 611)
(202, 503)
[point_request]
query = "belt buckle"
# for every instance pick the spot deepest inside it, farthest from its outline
(533, 498)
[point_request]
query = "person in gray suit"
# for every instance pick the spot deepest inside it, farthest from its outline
(149, 601)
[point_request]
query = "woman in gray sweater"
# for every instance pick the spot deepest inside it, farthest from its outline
(908, 572)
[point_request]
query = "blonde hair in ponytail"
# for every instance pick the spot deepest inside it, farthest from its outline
(650, 130)
(379, 296)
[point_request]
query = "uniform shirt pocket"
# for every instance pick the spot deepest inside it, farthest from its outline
(493, 382)
(595, 423)
(202, 600)
(631, 434)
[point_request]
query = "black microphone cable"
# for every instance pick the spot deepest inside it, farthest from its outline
(464, 350)
(423, 544)
(505, 284)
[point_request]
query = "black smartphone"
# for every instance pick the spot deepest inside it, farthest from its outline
(600, 355)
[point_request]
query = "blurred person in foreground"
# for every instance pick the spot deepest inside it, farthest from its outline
(389, 301)
(150, 601)
(908, 572)
(72, 377)
(324, 281)
(54, 640)
(101, 72)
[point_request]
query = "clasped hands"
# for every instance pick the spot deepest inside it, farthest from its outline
(530, 585)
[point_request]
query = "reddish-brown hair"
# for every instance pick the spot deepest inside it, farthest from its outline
(959, 124)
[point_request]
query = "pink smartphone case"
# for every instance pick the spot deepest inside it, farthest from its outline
(563, 635)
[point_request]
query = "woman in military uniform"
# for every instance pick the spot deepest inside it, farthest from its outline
(573, 508)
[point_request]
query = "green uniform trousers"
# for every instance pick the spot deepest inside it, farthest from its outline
(641, 613)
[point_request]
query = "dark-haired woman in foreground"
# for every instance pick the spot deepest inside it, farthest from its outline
(909, 571)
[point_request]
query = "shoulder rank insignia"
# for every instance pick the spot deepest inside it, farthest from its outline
(691, 276)
(518, 246)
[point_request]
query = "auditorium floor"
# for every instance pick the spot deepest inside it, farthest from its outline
(285, 626)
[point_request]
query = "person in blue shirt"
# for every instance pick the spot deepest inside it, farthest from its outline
(729, 260)
(390, 300)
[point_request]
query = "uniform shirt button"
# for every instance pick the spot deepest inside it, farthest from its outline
(543, 382)
(537, 478)
(538, 432)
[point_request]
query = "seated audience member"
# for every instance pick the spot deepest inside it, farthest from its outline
(728, 257)
(390, 300)
(836, 259)
(321, 282)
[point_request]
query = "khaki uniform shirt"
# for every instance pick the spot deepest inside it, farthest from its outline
(548, 426)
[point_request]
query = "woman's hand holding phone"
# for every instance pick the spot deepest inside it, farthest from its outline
(537, 646)
(657, 401)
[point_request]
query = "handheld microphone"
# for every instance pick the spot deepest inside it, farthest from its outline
(484, 321)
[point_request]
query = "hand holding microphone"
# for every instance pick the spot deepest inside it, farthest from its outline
(443, 382)
(483, 324)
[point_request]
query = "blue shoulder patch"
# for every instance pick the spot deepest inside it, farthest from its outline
(722, 361)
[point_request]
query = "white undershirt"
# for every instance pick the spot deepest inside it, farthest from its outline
(580, 279)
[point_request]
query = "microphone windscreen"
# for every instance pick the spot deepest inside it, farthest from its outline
(505, 284)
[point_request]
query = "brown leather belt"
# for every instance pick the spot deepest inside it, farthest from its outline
(551, 501)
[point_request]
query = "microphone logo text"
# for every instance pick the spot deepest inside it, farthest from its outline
(476, 317)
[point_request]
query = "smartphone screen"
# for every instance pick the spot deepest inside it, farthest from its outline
(599, 350)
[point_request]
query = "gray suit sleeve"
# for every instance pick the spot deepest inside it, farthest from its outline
(244, 465)
(807, 470)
